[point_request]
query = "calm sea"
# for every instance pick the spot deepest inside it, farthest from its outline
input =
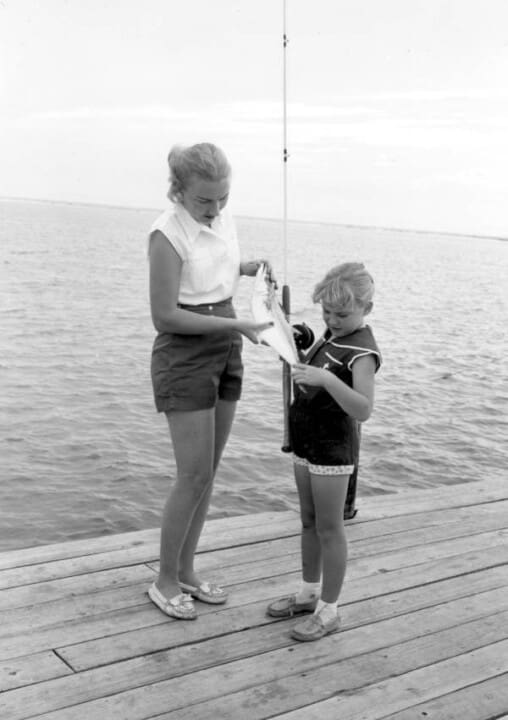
(82, 449)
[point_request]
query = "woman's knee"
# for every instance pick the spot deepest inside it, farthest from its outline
(196, 484)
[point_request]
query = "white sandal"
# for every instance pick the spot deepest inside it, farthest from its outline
(180, 606)
(206, 592)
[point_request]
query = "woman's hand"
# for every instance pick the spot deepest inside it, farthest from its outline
(309, 375)
(251, 329)
(251, 267)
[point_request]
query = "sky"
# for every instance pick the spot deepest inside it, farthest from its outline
(397, 110)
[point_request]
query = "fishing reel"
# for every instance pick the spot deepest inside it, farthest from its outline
(303, 336)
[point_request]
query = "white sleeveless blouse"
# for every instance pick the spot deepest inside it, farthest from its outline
(210, 255)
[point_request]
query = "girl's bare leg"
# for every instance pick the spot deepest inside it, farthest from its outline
(224, 415)
(310, 545)
(329, 495)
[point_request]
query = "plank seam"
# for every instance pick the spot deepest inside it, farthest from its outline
(64, 661)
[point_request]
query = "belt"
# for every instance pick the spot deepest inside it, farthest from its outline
(210, 306)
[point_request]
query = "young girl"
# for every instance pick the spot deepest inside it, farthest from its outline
(334, 392)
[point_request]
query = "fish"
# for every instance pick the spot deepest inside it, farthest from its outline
(266, 308)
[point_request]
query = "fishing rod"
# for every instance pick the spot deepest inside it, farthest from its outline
(286, 295)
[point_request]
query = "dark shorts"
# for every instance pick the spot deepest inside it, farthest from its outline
(322, 437)
(190, 372)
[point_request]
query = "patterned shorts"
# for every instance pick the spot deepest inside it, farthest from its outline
(324, 469)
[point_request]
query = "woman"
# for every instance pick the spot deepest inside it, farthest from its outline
(196, 359)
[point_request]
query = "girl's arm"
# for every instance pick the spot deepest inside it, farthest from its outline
(165, 273)
(357, 401)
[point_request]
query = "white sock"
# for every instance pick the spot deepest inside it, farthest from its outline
(326, 611)
(308, 592)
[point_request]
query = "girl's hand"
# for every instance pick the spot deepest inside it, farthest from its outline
(308, 375)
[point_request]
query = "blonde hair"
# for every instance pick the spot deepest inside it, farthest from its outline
(345, 286)
(203, 160)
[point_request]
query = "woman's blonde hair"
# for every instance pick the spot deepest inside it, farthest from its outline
(203, 160)
(345, 286)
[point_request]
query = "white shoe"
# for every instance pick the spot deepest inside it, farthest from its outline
(180, 606)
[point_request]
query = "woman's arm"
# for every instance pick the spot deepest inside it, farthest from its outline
(357, 401)
(165, 273)
(250, 268)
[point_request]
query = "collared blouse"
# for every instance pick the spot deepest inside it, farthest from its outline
(210, 255)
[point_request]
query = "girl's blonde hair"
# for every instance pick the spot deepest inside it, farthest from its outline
(203, 160)
(345, 286)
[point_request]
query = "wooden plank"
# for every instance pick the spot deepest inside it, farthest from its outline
(487, 700)
(39, 554)
(299, 672)
(104, 650)
(142, 553)
(41, 572)
(85, 629)
(345, 682)
(246, 571)
(430, 499)
(47, 592)
(182, 660)
(375, 564)
(354, 614)
(438, 518)
(31, 669)
(35, 574)
(374, 701)
(387, 543)
(141, 638)
(396, 580)
(447, 529)
(217, 531)
(31, 618)
(81, 584)
(389, 561)
(21, 619)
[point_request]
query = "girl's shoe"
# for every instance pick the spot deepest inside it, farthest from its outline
(314, 628)
(206, 592)
(287, 607)
(180, 606)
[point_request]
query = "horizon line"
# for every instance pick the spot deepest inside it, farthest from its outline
(83, 203)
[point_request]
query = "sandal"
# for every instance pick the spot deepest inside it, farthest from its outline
(206, 592)
(180, 606)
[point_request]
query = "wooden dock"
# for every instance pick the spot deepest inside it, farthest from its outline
(424, 621)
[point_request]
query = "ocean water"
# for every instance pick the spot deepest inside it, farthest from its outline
(84, 453)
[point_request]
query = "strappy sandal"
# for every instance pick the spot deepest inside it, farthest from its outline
(180, 606)
(206, 592)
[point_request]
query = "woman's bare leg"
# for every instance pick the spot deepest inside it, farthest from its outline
(192, 435)
(224, 415)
